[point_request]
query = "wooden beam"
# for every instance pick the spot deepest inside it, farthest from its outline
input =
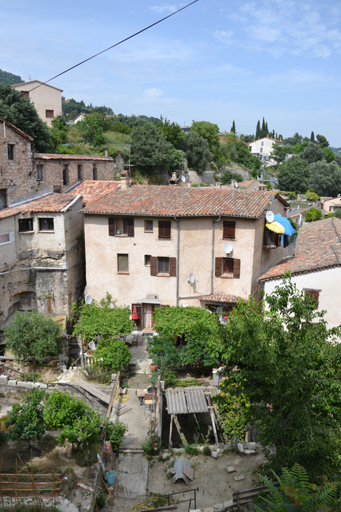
(213, 421)
(170, 431)
(178, 428)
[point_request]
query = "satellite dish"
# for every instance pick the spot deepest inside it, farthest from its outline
(236, 184)
(269, 216)
(88, 299)
(191, 278)
(227, 247)
(183, 179)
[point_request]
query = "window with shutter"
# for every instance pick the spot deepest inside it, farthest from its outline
(153, 265)
(111, 226)
(163, 265)
(315, 294)
(172, 267)
(229, 230)
(164, 229)
(228, 265)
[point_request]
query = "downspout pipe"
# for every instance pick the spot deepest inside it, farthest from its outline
(213, 226)
(177, 262)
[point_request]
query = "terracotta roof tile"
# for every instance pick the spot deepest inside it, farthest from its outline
(172, 201)
(318, 247)
(220, 298)
(53, 203)
(14, 128)
(57, 156)
(94, 190)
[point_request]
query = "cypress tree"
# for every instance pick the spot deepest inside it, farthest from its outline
(258, 133)
(233, 128)
(312, 137)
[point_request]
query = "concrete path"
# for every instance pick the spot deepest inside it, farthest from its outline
(140, 357)
(131, 476)
(137, 419)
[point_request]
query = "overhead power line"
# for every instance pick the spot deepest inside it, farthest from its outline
(116, 44)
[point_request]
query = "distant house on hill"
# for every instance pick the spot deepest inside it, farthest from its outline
(263, 148)
(79, 117)
(252, 185)
(46, 98)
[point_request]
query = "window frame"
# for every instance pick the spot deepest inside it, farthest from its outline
(118, 263)
(39, 172)
(163, 225)
(163, 272)
(10, 238)
(147, 262)
(3, 194)
(229, 225)
(44, 219)
(94, 173)
(66, 175)
(146, 230)
(80, 174)
(228, 262)
(128, 226)
(48, 111)
(29, 221)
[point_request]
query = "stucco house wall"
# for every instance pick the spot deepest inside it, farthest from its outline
(45, 98)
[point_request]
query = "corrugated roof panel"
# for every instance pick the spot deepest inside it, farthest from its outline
(176, 401)
(196, 400)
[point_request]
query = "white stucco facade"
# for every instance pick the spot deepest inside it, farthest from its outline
(262, 148)
(326, 282)
(46, 98)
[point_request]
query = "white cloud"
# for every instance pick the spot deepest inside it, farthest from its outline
(223, 36)
(153, 93)
(163, 8)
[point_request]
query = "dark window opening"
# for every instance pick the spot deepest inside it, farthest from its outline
(122, 263)
(10, 151)
(94, 173)
(40, 172)
(3, 198)
(271, 239)
(25, 225)
(228, 265)
(164, 229)
(66, 175)
(46, 224)
(25, 93)
(49, 114)
(80, 172)
(163, 265)
(147, 260)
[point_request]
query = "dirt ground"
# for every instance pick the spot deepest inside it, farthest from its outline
(215, 484)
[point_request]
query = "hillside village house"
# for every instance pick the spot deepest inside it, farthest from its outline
(41, 261)
(252, 185)
(47, 99)
(316, 267)
(263, 148)
(330, 205)
(142, 243)
(25, 175)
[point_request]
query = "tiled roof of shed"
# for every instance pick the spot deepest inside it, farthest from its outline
(220, 298)
(92, 190)
(14, 128)
(318, 247)
(57, 156)
(53, 203)
(173, 201)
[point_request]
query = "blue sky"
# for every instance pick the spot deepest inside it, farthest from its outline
(216, 61)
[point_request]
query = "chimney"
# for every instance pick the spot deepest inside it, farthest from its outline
(267, 135)
(125, 184)
(106, 152)
(218, 184)
(280, 139)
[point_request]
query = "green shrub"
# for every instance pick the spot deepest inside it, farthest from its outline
(207, 450)
(115, 433)
(95, 373)
(86, 456)
(190, 449)
(312, 214)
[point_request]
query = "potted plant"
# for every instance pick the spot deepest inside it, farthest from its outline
(132, 367)
(153, 367)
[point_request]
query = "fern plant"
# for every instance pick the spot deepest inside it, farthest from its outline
(296, 493)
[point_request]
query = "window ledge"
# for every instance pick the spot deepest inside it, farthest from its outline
(227, 276)
(148, 231)
(46, 231)
(123, 272)
(163, 275)
(26, 232)
(121, 234)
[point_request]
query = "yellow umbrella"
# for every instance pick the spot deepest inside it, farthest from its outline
(276, 227)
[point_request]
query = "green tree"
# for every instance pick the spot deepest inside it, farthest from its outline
(209, 132)
(150, 149)
(321, 139)
(33, 335)
(197, 152)
(233, 414)
(228, 176)
(279, 153)
(247, 138)
(258, 130)
(91, 130)
(311, 196)
(7, 78)
(26, 419)
(173, 133)
(312, 137)
(329, 155)
(58, 133)
(313, 214)
(233, 127)
(289, 367)
(326, 178)
(295, 139)
(245, 158)
(115, 433)
(338, 213)
(18, 110)
(78, 422)
(312, 153)
(112, 354)
(102, 319)
(294, 175)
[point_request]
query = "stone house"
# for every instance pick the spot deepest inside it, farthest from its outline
(315, 268)
(262, 148)
(41, 259)
(18, 179)
(330, 205)
(170, 245)
(252, 185)
(47, 99)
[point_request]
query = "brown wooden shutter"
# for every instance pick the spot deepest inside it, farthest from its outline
(316, 296)
(236, 269)
(229, 229)
(172, 267)
(167, 229)
(111, 225)
(164, 228)
(218, 267)
(153, 265)
(130, 227)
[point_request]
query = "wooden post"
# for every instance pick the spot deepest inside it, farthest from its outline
(177, 424)
(170, 431)
(212, 420)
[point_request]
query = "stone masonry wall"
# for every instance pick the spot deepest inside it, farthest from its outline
(53, 171)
